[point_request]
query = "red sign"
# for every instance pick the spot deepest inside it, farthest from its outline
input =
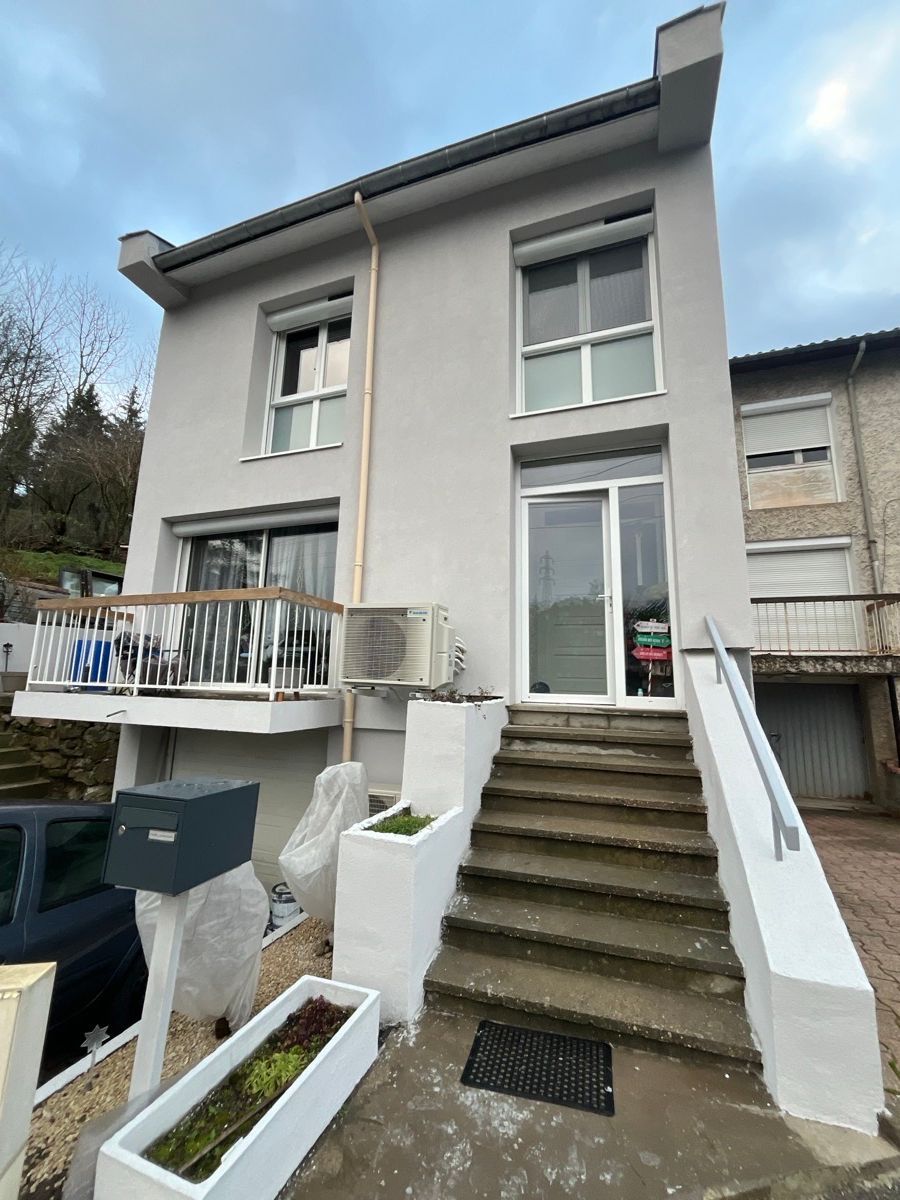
(652, 653)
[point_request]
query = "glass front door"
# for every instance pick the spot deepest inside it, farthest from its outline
(596, 622)
(569, 599)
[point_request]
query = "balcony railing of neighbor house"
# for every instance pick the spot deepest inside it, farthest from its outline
(827, 624)
(785, 818)
(270, 641)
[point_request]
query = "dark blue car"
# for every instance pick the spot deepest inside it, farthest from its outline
(54, 907)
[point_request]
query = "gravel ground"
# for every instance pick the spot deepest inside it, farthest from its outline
(56, 1124)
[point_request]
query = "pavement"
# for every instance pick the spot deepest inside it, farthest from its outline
(681, 1128)
(860, 854)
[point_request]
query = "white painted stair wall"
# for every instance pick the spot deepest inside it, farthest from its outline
(810, 1004)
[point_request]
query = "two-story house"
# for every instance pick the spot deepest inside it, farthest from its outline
(817, 430)
(546, 445)
(493, 378)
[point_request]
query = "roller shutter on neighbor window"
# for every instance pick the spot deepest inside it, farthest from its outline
(790, 429)
(803, 625)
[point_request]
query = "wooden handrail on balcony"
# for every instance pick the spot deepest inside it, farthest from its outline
(213, 596)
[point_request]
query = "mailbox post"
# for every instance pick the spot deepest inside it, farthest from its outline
(169, 837)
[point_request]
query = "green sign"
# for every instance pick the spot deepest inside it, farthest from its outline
(653, 639)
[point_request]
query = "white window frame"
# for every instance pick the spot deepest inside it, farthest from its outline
(587, 340)
(761, 408)
(609, 488)
(314, 397)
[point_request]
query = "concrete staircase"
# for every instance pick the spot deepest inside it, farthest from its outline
(20, 773)
(589, 901)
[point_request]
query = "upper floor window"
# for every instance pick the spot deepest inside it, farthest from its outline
(308, 389)
(588, 330)
(788, 453)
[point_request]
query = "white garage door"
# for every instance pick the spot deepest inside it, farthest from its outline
(817, 735)
(805, 626)
(286, 765)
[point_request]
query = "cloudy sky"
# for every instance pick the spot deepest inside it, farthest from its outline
(186, 115)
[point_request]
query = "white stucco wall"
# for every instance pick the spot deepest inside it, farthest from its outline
(810, 1004)
(391, 896)
(448, 754)
(22, 637)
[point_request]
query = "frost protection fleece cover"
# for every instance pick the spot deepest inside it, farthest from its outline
(310, 858)
(218, 968)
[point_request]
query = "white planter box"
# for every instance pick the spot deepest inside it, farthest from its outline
(448, 754)
(259, 1164)
(391, 895)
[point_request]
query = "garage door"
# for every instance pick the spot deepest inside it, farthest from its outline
(817, 735)
(819, 571)
(286, 765)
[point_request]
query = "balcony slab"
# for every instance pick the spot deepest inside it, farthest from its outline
(769, 663)
(182, 712)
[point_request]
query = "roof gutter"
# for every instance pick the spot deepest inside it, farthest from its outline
(572, 118)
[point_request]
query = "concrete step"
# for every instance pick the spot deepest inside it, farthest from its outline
(585, 716)
(6, 740)
(13, 754)
(15, 772)
(26, 790)
(639, 743)
(690, 900)
(653, 952)
(606, 770)
(684, 850)
(635, 804)
(639, 1013)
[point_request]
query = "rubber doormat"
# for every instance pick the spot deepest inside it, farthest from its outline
(572, 1071)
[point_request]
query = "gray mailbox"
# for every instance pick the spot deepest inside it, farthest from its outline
(167, 837)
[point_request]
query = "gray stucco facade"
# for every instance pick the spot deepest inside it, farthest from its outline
(447, 439)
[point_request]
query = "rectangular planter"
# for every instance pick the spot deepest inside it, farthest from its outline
(448, 753)
(259, 1164)
(391, 895)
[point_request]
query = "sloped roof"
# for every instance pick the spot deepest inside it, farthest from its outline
(882, 339)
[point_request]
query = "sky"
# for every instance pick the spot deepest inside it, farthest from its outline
(183, 116)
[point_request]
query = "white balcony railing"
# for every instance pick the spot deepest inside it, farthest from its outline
(827, 624)
(270, 642)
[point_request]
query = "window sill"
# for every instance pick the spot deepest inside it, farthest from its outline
(288, 453)
(542, 412)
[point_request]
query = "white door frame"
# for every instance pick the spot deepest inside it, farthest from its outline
(602, 495)
(616, 622)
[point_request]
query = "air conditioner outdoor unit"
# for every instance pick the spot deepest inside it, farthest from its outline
(405, 645)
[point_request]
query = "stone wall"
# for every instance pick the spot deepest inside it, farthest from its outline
(78, 758)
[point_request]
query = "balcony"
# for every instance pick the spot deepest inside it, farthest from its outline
(855, 633)
(258, 660)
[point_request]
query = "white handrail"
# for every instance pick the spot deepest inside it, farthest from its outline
(785, 818)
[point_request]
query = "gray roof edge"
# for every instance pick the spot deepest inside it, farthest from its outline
(571, 118)
(882, 339)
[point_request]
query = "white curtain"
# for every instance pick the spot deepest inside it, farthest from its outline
(303, 559)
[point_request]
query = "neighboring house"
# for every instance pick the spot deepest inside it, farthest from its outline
(817, 429)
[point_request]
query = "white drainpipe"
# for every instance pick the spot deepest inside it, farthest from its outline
(365, 450)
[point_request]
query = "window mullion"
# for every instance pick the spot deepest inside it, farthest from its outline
(314, 423)
(320, 356)
(584, 298)
(587, 387)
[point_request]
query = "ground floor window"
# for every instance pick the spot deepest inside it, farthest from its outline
(238, 644)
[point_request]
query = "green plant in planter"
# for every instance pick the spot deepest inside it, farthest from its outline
(403, 823)
(267, 1076)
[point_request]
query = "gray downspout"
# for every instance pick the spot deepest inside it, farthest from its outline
(871, 539)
